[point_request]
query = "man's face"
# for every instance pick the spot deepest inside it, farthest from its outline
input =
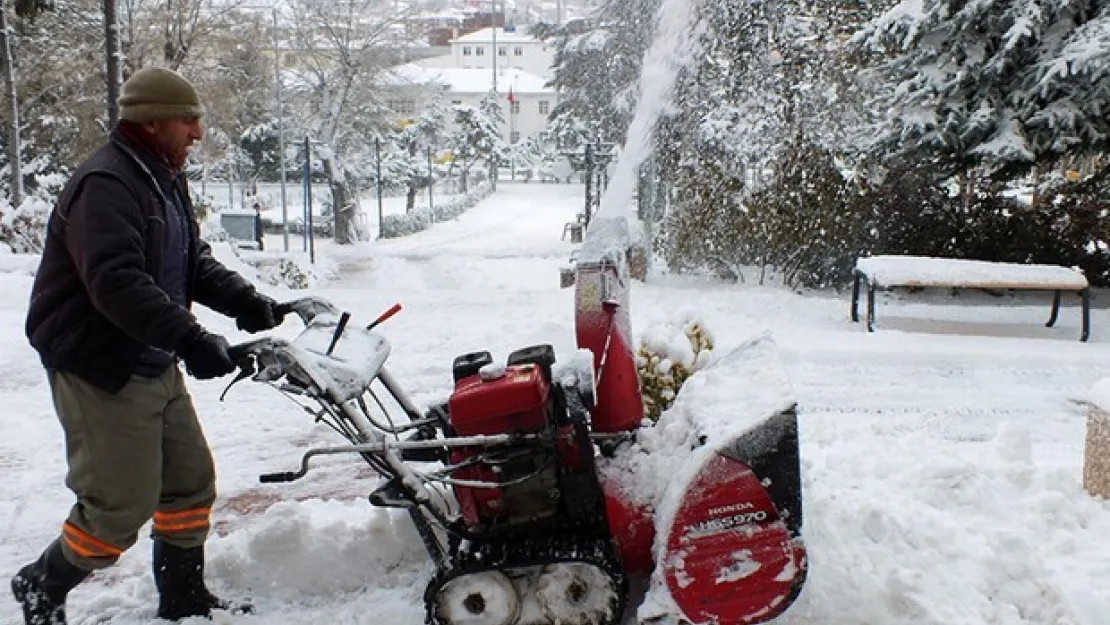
(175, 137)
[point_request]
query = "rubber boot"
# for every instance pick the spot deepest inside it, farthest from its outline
(41, 587)
(179, 576)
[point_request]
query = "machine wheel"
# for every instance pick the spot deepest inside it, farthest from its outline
(577, 593)
(486, 598)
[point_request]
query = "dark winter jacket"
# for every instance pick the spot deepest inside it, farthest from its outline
(96, 304)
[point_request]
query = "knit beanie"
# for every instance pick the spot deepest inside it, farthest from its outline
(154, 93)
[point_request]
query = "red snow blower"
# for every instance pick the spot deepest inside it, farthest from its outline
(514, 483)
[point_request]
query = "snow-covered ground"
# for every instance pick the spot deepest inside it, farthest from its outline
(941, 454)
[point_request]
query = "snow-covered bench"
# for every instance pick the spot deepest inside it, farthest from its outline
(886, 272)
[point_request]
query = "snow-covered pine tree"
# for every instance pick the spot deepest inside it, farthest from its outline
(597, 64)
(477, 137)
(998, 85)
(413, 139)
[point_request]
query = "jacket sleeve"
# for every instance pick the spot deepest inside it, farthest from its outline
(214, 285)
(104, 237)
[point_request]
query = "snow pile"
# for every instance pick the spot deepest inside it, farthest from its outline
(733, 395)
(18, 264)
(320, 548)
(997, 539)
(1098, 395)
(925, 271)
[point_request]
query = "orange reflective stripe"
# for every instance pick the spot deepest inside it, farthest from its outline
(86, 545)
(181, 521)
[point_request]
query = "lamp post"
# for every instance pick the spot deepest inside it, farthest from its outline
(281, 133)
(592, 160)
(280, 114)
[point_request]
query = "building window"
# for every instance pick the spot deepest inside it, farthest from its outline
(514, 136)
(480, 51)
(518, 51)
(456, 102)
(545, 107)
(402, 106)
(466, 50)
(514, 108)
(502, 51)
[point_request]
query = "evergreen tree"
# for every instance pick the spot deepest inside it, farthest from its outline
(597, 64)
(477, 137)
(999, 85)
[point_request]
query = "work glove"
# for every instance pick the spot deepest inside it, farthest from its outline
(205, 355)
(257, 312)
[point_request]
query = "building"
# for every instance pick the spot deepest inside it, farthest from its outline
(413, 85)
(515, 49)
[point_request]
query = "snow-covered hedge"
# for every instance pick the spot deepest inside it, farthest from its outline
(422, 218)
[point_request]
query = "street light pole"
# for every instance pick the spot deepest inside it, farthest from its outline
(281, 135)
(493, 29)
(378, 184)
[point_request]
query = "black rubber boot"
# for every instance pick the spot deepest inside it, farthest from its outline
(179, 576)
(41, 587)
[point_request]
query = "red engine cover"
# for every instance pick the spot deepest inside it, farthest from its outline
(514, 402)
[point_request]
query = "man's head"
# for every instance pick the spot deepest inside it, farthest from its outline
(168, 109)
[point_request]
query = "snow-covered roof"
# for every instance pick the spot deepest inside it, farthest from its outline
(459, 80)
(485, 35)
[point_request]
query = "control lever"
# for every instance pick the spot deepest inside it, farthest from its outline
(393, 310)
(339, 328)
(246, 370)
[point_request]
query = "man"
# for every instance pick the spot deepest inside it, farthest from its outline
(109, 316)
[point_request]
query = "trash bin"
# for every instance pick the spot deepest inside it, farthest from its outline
(241, 226)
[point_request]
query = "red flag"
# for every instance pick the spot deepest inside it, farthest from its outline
(512, 99)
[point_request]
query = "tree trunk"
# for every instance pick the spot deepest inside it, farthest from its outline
(410, 198)
(14, 143)
(113, 59)
(344, 207)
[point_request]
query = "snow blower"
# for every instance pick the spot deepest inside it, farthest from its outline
(523, 484)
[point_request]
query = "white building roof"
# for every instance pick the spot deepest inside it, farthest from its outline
(486, 36)
(458, 80)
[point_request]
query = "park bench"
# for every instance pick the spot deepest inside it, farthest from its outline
(575, 228)
(887, 272)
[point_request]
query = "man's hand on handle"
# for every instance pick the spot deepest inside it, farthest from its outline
(257, 313)
(205, 355)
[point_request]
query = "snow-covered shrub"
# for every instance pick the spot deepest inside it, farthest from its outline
(807, 226)
(422, 218)
(287, 273)
(668, 355)
(23, 229)
(916, 214)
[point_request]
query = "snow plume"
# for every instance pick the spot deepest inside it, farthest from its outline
(675, 46)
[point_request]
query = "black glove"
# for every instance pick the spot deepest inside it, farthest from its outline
(257, 312)
(205, 355)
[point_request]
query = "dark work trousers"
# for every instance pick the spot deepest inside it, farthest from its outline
(135, 455)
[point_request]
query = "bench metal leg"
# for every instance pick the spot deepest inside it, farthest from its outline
(870, 307)
(855, 298)
(1055, 309)
(1086, 293)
